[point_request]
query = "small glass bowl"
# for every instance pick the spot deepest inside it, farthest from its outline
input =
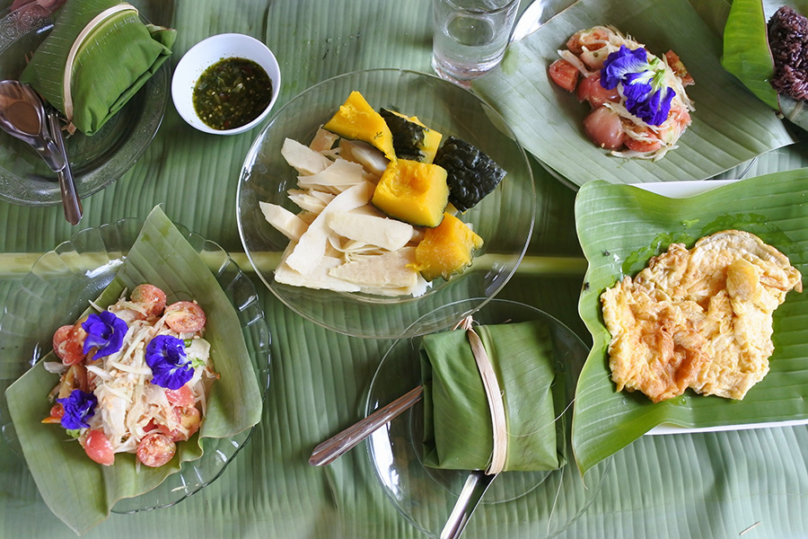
(78, 270)
(206, 53)
(504, 219)
(425, 496)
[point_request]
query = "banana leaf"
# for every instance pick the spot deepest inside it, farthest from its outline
(115, 61)
(729, 125)
(76, 489)
(458, 431)
(620, 228)
(747, 54)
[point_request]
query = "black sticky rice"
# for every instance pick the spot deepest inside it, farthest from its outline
(788, 40)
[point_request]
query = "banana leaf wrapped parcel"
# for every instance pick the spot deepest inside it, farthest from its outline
(96, 58)
(458, 427)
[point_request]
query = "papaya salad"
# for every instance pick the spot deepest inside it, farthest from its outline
(638, 100)
(135, 377)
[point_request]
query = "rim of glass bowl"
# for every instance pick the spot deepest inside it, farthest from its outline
(32, 337)
(146, 112)
(386, 317)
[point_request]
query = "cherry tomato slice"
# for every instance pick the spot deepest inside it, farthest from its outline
(98, 447)
(67, 345)
(564, 74)
(155, 449)
(591, 90)
(189, 417)
(183, 396)
(151, 298)
(185, 317)
(604, 128)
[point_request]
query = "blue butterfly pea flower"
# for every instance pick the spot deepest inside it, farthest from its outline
(655, 110)
(620, 63)
(647, 95)
(78, 408)
(105, 331)
(165, 356)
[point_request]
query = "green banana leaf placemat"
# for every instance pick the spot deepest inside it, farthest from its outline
(715, 485)
(621, 228)
(729, 125)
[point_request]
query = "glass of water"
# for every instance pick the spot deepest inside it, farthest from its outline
(470, 36)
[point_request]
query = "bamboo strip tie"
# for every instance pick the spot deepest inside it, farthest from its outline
(494, 396)
(74, 50)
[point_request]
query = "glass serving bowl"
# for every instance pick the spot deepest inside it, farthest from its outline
(425, 496)
(95, 161)
(504, 219)
(56, 292)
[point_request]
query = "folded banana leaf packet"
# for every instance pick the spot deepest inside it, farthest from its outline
(458, 430)
(108, 52)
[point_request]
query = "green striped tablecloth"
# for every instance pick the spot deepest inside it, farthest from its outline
(753, 483)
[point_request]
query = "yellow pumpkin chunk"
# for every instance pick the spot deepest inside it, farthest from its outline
(413, 192)
(356, 120)
(447, 249)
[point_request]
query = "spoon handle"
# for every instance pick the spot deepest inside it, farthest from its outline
(336, 446)
(470, 496)
(70, 198)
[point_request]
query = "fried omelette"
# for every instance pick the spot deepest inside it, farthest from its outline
(698, 318)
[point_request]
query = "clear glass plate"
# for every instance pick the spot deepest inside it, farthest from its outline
(425, 496)
(504, 219)
(96, 161)
(56, 292)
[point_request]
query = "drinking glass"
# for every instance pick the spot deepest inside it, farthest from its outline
(470, 36)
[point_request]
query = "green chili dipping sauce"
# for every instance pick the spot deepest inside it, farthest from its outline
(231, 93)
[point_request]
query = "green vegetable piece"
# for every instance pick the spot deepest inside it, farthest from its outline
(407, 136)
(412, 140)
(471, 173)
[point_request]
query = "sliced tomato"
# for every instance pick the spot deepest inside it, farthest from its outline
(155, 449)
(150, 297)
(591, 38)
(604, 128)
(187, 416)
(185, 317)
(591, 90)
(675, 63)
(67, 345)
(643, 145)
(183, 396)
(56, 413)
(98, 447)
(564, 74)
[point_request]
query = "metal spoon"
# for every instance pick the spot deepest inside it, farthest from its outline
(22, 115)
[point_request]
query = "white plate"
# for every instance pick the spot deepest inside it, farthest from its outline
(684, 190)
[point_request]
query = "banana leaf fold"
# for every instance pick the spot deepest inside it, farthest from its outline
(115, 60)
(79, 491)
(620, 228)
(458, 430)
(729, 125)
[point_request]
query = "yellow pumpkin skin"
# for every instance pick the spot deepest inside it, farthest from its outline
(447, 249)
(413, 192)
(356, 120)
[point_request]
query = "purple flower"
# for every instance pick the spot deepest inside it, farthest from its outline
(655, 110)
(637, 88)
(621, 62)
(643, 83)
(165, 355)
(78, 408)
(105, 331)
